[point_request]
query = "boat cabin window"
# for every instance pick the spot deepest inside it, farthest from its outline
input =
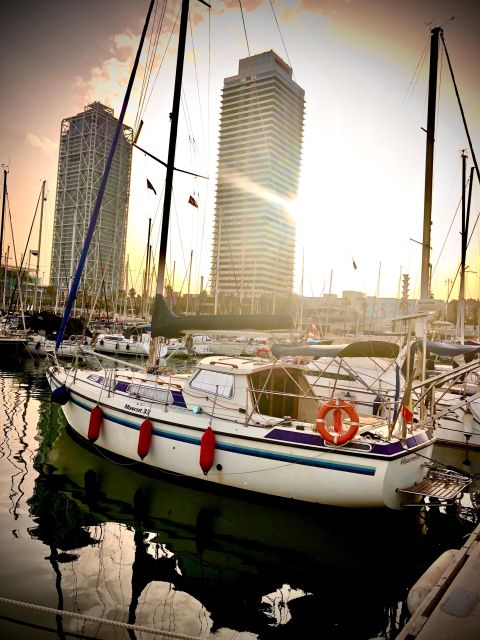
(275, 393)
(95, 378)
(215, 382)
(150, 393)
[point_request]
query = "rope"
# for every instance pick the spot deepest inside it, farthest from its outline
(86, 618)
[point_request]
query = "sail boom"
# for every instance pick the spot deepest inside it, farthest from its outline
(168, 325)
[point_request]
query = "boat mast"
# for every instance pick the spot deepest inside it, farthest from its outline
(43, 198)
(189, 280)
(172, 147)
(217, 267)
(146, 275)
(167, 201)
(427, 210)
(464, 237)
(2, 224)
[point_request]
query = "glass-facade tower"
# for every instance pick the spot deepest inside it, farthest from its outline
(261, 133)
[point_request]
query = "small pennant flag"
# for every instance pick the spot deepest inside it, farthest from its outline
(407, 413)
(354, 264)
(150, 186)
(34, 252)
(193, 202)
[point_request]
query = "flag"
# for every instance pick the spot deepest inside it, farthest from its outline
(313, 330)
(407, 412)
(354, 264)
(193, 202)
(407, 408)
(150, 186)
(34, 252)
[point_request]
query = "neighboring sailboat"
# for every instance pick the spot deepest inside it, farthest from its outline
(457, 424)
(246, 423)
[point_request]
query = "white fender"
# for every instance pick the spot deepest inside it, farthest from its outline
(429, 579)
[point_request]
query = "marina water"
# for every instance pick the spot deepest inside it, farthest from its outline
(98, 537)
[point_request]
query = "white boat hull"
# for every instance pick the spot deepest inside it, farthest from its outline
(247, 457)
(127, 349)
(460, 427)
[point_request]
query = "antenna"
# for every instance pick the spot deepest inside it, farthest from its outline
(446, 21)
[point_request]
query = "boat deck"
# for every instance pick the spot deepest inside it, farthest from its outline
(452, 608)
(445, 486)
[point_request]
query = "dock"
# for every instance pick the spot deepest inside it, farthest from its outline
(452, 607)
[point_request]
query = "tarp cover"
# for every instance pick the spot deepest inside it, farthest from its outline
(450, 349)
(360, 349)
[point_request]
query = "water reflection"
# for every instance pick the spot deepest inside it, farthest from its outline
(124, 545)
(196, 561)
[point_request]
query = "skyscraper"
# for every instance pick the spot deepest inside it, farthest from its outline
(85, 142)
(261, 133)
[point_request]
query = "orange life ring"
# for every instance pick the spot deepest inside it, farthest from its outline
(262, 352)
(338, 437)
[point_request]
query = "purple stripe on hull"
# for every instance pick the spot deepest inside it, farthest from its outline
(374, 447)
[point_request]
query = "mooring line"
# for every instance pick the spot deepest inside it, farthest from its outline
(86, 618)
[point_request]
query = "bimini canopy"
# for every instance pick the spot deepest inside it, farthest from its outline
(360, 349)
(450, 349)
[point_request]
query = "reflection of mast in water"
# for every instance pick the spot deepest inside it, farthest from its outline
(146, 569)
(16, 404)
(61, 525)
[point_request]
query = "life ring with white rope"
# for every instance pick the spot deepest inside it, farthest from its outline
(338, 436)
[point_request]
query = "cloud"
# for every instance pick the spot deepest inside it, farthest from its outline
(287, 9)
(45, 144)
(107, 81)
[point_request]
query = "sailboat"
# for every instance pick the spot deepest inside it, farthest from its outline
(457, 403)
(246, 423)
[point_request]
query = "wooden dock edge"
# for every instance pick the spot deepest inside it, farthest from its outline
(416, 623)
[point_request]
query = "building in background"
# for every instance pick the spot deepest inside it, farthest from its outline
(85, 142)
(261, 133)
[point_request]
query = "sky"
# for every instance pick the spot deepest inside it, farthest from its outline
(364, 67)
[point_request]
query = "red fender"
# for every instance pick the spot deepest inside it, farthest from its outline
(145, 438)
(207, 450)
(96, 417)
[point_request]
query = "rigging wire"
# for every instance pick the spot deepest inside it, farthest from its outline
(280, 32)
(152, 49)
(147, 69)
(244, 27)
(202, 239)
(416, 74)
(460, 106)
(196, 81)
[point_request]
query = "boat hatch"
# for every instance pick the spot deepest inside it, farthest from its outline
(446, 486)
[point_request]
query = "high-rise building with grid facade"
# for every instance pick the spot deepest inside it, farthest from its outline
(261, 134)
(85, 142)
